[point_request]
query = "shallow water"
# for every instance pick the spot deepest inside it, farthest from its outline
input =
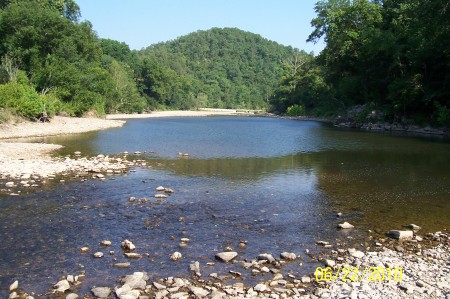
(275, 183)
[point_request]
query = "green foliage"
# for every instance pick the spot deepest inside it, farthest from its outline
(222, 68)
(295, 110)
(25, 101)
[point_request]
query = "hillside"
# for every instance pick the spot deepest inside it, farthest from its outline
(221, 68)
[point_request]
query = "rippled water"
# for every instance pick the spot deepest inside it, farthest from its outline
(275, 183)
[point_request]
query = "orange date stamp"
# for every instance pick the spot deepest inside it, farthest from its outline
(354, 274)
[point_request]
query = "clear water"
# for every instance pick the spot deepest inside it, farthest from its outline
(275, 183)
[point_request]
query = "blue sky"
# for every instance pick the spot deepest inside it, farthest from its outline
(140, 23)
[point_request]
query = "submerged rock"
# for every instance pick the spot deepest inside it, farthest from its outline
(345, 225)
(128, 245)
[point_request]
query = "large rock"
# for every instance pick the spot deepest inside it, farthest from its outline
(176, 256)
(226, 256)
(14, 286)
(401, 235)
(199, 292)
(126, 292)
(135, 281)
(101, 292)
(72, 296)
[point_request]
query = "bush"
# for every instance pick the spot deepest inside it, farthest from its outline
(295, 110)
(25, 101)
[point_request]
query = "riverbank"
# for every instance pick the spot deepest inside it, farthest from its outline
(20, 160)
(416, 268)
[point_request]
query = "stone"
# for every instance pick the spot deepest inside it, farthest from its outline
(62, 286)
(98, 254)
(14, 286)
(226, 256)
(105, 243)
(128, 245)
(9, 184)
(13, 295)
(122, 265)
(305, 279)
(176, 256)
(195, 267)
(135, 281)
(101, 292)
(289, 256)
(401, 235)
(199, 292)
(72, 296)
(356, 253)
(260, 287)
(160, 188)
(126, 292)
(414, 227)
(159, 286)
(132, 255)
(322, 243)
(345, 225)
(84, 249)
(266, 257)
(185, 240)
(330, 263)
(160, 196)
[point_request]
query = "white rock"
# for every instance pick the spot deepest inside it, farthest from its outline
(288, 256)
(414, 227)
(9, 184)
(401, 235)
(160, 188)
(128, 245)
(226, 256)
(305, 279)
(260, 287)
(98, 254)
(14, 286)
(160, 196)
(345, 225)
(62, 286)
(330, 263)
(105, 243)
(199, 292)
(101, 292)
(266, 257)
(72, 296)
(133, 255)
(176, 256)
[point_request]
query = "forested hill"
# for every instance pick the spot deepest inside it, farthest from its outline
(221, 68)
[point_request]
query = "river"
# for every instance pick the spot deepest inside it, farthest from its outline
(274, 183)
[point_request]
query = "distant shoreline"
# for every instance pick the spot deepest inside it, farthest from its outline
(184, 113)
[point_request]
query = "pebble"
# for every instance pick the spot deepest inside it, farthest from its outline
(133, 255)
(62, 286)
(345, 225)
(128, 245)
(176, 256)
(98, 254)
(14, 286)
(401, 235)
(105, 243)
(101, 292)
(289, 256)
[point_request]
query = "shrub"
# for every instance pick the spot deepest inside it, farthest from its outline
(295, 110)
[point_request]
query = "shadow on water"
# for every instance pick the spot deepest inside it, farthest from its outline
(274, 183)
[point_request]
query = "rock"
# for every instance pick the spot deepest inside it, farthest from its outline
(62, 286)
(169, 191)
(98, 254)
(128, 245)
(185, 240)
(330, 263)
(160, 188)
(9, 184)
(84, 249)
(132, 255)
(72, 296)
(260, 287)
(176, 256)
(322, 243)
(418, 238)
(266, 257)
(14, 286)
(135, 281)
(160, 196)
(339, 214)
(414, 227)
(305, 279)
(77, 153)
(126, 292)
(195, 267)
(345, 225)
(289, 256)
(356, 253)
(105, 243)
(101, 292)
(226, 256)
(13, 295)
(122, 265)
(401, 235)
(159, 286)
(199, 292)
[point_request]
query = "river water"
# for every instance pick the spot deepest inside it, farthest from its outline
(274, 183)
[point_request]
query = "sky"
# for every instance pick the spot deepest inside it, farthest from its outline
(141, 23)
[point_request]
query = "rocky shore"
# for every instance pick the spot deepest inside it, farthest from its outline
(417, 267)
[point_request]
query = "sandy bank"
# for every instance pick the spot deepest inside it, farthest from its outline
(57, 126)
(179, 113)
(18, 158)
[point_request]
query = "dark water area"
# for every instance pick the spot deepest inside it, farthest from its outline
(275, 183)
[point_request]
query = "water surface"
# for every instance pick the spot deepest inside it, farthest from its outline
(275, 183)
